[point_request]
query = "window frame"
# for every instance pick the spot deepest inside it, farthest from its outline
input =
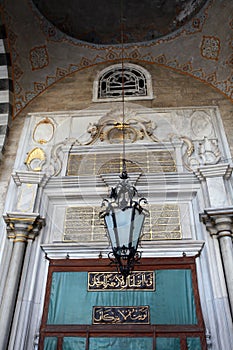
(129, 66)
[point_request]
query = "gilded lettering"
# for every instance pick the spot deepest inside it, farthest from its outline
(116, 314)
(138, 280)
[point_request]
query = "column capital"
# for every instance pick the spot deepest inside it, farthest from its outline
(216, 170)
(218, 221)
(21, 227)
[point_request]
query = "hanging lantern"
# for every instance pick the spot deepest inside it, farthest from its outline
(124, 219)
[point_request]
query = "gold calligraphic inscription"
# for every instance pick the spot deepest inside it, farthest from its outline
(158, 161)
(137, 280)
(83, 224)
(163, 223)
(119, 314)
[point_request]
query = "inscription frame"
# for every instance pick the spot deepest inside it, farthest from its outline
(120, 314)
(113, 281)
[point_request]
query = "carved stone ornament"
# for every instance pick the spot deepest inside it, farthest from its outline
(201, 124)
(43, 131)
(23, 226)
(58, 154)
(110, 128)
(209, 152)
(35, 159)
(197, 153)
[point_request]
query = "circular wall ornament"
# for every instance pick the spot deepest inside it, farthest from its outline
(44, 131)
(201, 124)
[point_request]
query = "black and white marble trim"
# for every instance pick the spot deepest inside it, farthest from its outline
(6, 89)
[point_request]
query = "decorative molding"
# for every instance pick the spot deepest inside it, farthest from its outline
(29, 177)
(217, 170)
(150, 250)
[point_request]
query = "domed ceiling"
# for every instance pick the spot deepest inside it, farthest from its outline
(99, 22)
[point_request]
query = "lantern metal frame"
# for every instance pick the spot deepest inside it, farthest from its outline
(124, 218)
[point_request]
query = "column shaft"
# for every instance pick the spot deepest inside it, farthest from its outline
(21, 228)
(10, 292)
(226, 247)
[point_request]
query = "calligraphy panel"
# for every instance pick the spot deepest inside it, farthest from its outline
(158, 161)
(121, 314)
(162, 223)
(113, 281)
(83, 224)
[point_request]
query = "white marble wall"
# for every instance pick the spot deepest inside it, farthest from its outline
(201, 181)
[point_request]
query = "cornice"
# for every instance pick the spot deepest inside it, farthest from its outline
(153, 249)
(217, 170)
(29, 177)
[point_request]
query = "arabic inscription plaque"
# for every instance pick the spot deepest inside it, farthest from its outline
(121, 314)
(137, 280)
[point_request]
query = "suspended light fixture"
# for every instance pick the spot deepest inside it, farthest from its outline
(124, 217)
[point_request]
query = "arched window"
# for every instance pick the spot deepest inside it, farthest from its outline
(134, 80)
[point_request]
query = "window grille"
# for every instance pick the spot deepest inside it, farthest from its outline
(135, 81)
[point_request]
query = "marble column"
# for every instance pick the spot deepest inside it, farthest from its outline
(20, 229)
(219, 223)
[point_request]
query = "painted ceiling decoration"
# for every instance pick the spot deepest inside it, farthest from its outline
(143, 20)
(42, 54)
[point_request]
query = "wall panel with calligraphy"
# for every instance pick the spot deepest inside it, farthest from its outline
(83, 224)
(158, 161)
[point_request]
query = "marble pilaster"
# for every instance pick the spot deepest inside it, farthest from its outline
(20, 229)
(219, 223)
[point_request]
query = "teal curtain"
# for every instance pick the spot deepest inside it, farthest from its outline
(167, 344)
(50, 343)
(171, 303)
(194, 343)
(120, 343)
(74, 343)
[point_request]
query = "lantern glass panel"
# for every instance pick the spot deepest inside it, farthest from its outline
(127, 230)
(137, 227)
(120, 234)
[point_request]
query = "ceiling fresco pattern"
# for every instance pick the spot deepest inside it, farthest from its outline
(141, 20)
(42, 55)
